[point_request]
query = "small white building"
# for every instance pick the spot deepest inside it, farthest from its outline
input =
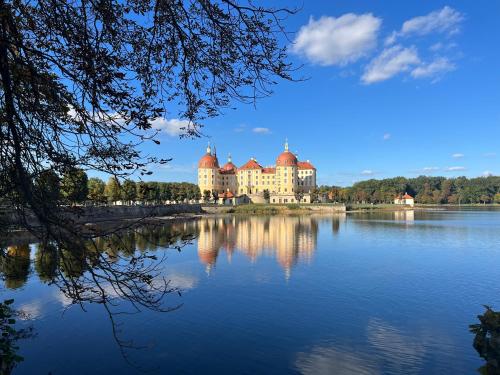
(405, 199)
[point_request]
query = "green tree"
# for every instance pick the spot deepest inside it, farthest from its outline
(112, 191)
(267, 195)
(129, 191)
(487, 337)
(142, 191)
(153, 192)
(48, 186)
(497, 198)
(165, 192)
(206, 195)
(74, 186)
(96, 188)
(314, 195)
(215, 196)
(197, 192)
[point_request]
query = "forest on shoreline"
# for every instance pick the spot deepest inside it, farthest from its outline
(425, 190)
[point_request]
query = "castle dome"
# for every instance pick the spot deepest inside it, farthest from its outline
(286, 158)
(229, 166)
(208, 160)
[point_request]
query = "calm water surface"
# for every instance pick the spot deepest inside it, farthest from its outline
(380, 293)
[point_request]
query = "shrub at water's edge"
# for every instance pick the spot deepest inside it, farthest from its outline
(487, 340)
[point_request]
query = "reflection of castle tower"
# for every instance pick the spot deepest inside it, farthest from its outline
(289, 239)
(208, 246)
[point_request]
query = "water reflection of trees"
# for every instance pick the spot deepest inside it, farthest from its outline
(120, 270)
(10, 335)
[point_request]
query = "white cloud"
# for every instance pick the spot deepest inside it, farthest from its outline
(240, 128)
(436, 47)
(391, 61)
(261, 130)
(173, 127)
(446, 20)
(183, 282)
(386, 136)
(487, 173)
(457, 155)
(430, 169)
(490, 154)
(455, 169)
(367, 172)
(443, 21)
(435, 68)
(31, 310)
(337, 41)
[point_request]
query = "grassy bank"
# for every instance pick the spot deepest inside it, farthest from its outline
(267, 209)
(368, 207)
(270, 209)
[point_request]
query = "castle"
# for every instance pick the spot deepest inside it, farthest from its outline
(289, 181)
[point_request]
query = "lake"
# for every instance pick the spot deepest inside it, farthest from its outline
(362, 293)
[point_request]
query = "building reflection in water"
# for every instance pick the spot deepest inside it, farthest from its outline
(289, 238)
(405, 215)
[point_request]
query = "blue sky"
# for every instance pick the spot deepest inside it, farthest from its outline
(398, 88)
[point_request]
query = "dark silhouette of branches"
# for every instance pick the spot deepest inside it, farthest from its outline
(81, 82)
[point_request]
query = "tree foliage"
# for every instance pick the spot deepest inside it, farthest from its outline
(74, 186)
(82, 82)
(129, 191)
(425, 190)
(112, 191)
(487, 340)
(96, 188)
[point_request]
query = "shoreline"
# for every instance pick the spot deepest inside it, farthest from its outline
(120, 223)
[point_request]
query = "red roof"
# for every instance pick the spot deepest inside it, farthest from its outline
(226, 195)
(229, 166)
(208, 161)
(406, 196)
(251, 164)
(305, 165)
(269, 170)
(285, 159)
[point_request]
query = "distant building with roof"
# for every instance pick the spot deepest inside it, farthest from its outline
(289, 181)
(405, 199)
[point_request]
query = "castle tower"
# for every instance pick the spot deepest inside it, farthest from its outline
(208, 172)
(286, 172)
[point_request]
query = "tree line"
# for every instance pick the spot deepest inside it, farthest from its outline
(74, 187)
(425, 190)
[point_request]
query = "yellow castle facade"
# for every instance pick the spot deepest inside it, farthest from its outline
(288, 181)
